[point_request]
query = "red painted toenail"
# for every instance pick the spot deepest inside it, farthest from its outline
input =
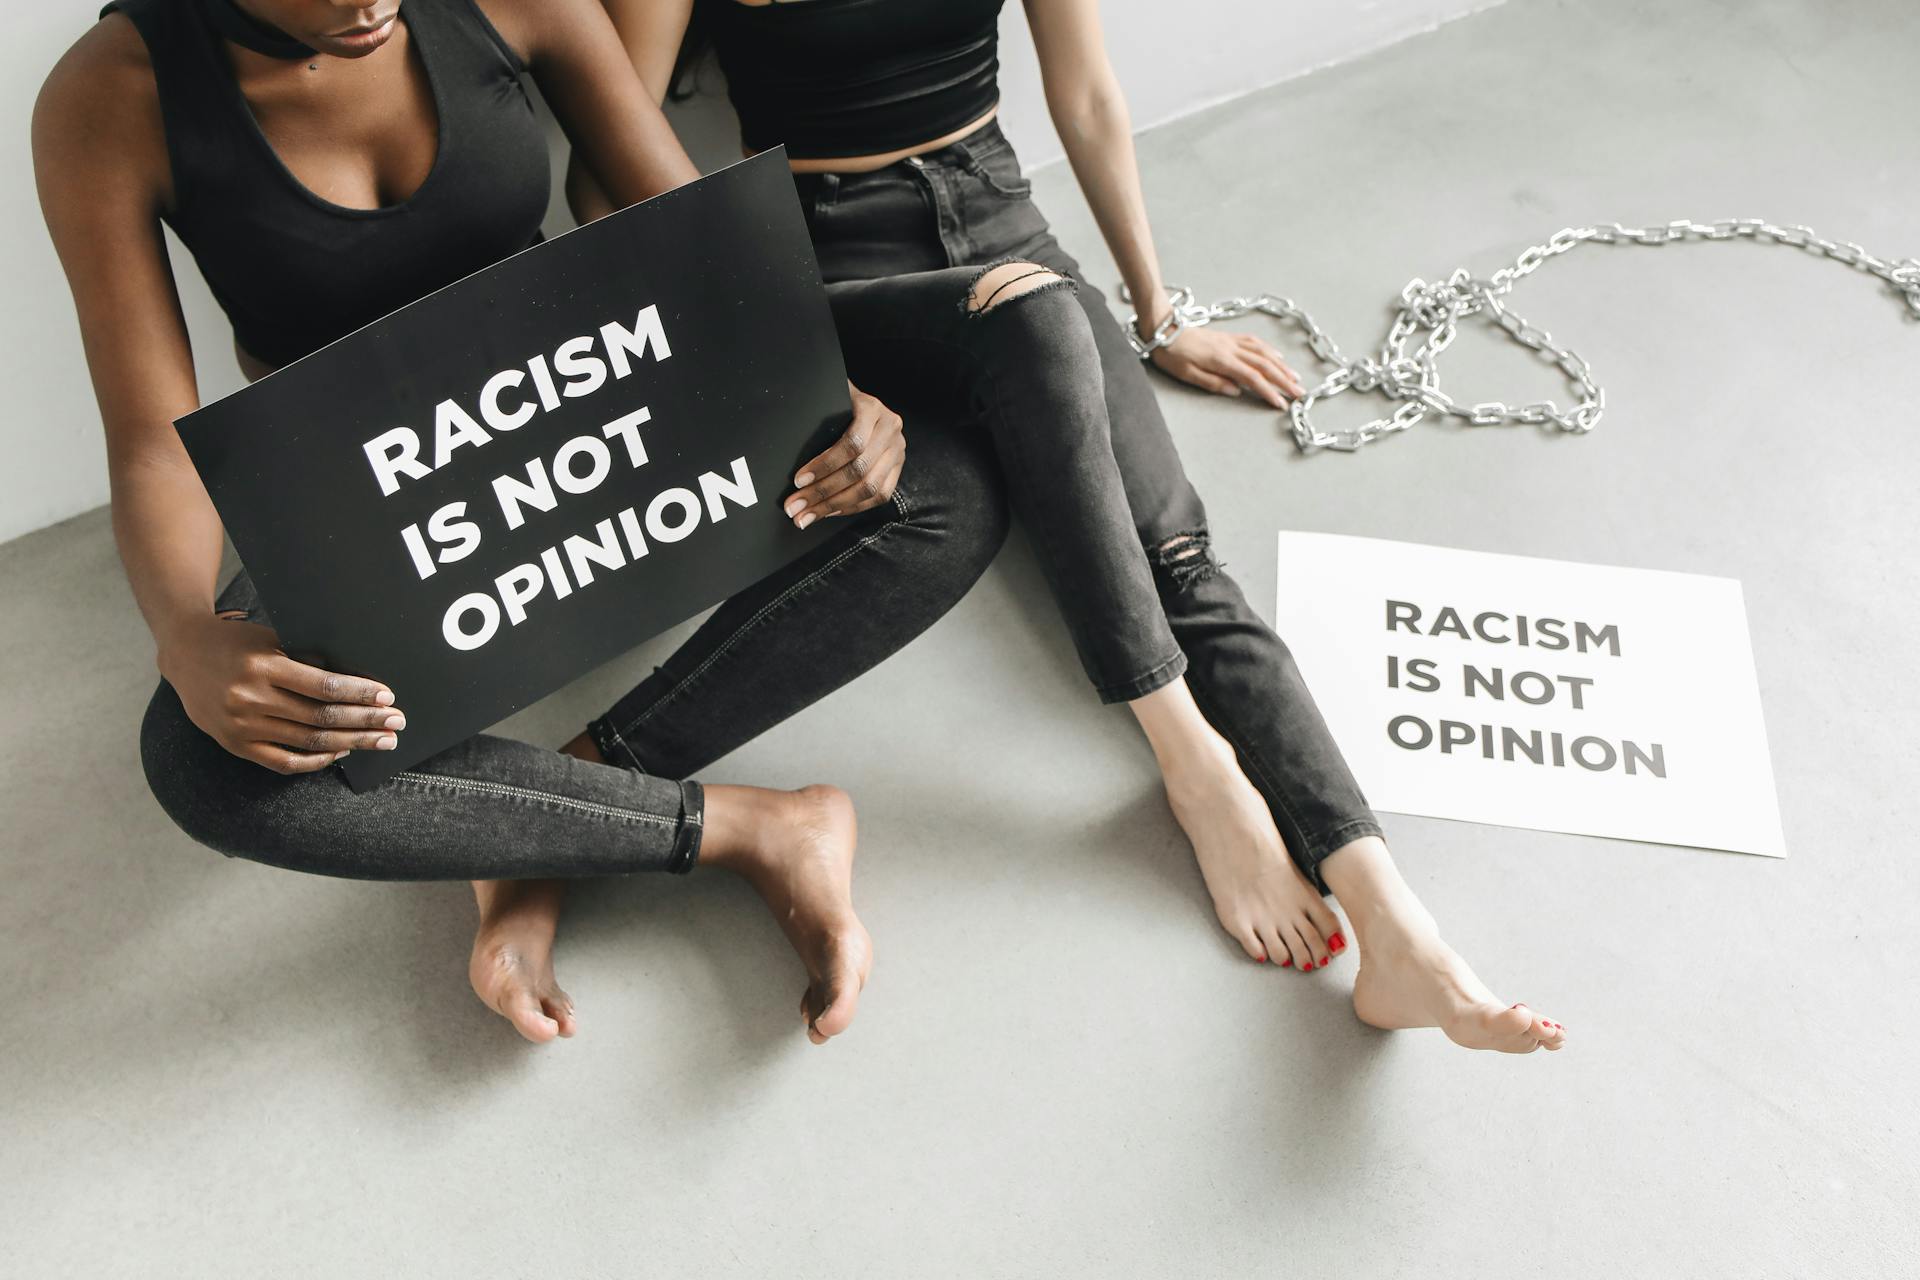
(1287, 963)
(1337, 942)
(1307, 965)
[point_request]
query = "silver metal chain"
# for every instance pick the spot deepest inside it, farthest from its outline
(1432, 312)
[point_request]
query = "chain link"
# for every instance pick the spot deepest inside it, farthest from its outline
(1432, 312)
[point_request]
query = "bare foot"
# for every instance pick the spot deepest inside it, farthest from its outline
(512, 964)
(1261, 897)
(1271, 909)
(796, 849)
(1409, 977)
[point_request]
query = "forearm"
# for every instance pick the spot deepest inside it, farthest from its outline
(1098, 136)
(170, 542)
(611, 117)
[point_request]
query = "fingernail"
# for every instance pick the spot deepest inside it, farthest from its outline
(806, 520)
(341, 755)
(802, 480)
(387, 742)
(794, 507)
(384, 698)
(396, 721)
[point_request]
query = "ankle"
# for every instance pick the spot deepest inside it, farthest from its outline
(740, 825)
(520, 900)
(583, 747)
(1183, 742)
(1371, 890)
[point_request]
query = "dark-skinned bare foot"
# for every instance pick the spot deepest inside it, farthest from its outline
(512, 964)
(1409, 977)
(796, 849)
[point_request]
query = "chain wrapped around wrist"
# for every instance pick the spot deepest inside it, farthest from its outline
(1185, 311)
(1406, 370)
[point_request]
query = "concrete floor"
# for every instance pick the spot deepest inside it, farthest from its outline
(1062, 1066)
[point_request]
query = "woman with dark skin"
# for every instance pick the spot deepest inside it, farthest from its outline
(242, 734)
(956, 197)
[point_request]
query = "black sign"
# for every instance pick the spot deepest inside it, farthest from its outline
(498, 487)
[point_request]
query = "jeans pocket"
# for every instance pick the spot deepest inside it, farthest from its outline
(816, 192)
(999, 168)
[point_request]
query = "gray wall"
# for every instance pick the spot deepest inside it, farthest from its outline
(51, 435)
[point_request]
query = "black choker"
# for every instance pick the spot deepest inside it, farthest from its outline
(247, 31)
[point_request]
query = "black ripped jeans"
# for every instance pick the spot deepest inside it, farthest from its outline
(1090, 466)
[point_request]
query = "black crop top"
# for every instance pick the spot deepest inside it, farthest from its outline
(856, 77)
(293, 271)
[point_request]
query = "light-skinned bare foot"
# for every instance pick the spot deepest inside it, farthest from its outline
(796, 849)
(1261, 898)
(1409, 977)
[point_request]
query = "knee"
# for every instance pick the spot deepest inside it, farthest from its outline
(1027, 314)
(1000, 284)
(1183, 560)
(187, 773)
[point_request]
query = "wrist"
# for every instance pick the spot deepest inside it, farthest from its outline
(177, 635)
(1158, 319)
(1151, 301)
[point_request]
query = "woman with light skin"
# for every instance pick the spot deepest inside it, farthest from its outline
(887, 111)
(326, 162)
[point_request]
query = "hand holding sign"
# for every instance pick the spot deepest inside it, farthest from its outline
(245, 693)
(860, 469)
(477, 498)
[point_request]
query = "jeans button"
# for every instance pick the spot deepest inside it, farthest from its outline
(916, 162)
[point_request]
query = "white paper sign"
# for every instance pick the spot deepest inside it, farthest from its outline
(1535, 693)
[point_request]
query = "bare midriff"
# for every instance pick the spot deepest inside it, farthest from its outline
(861, 164)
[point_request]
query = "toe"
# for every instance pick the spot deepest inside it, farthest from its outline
(1248, 937)
(1532, 1030)
(521, 1009)
(1272, 944)
(1309, 951)
(558, 1006)
(1321, 916)
(1327, 924)
(1299, 954)
(832, 1000)
(830, 1007)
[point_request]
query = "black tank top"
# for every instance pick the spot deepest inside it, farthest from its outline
(856, 77)
(294, 271)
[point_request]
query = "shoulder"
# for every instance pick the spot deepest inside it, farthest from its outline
(535, 27)
(98, 111)
(514, 21)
